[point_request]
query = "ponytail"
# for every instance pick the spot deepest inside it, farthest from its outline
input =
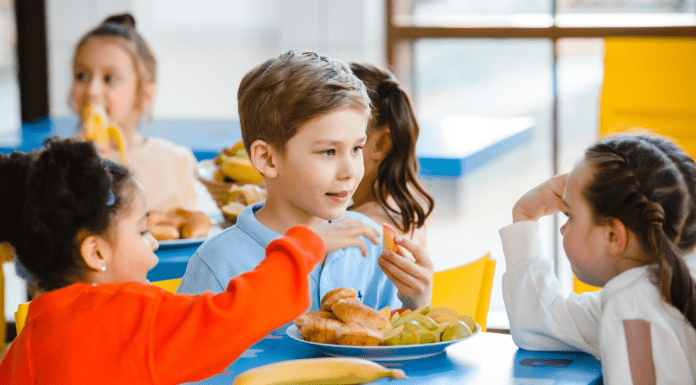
(397, 175)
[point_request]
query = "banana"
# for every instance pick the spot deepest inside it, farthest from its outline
(99, 133)
(240, 169)
(318, 371)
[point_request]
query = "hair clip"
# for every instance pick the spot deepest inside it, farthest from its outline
(112, 198)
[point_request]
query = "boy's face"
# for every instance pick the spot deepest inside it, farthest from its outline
(321, 167)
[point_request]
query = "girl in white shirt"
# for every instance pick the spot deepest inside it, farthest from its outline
(631, 207)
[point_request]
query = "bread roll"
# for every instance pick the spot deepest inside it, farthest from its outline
(335, 295)
(195, 226)
(322, 330)
(358, 334)
(352, 310)
(164, 232)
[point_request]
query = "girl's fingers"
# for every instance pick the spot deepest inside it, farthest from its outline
(405, 271)
(419, 255)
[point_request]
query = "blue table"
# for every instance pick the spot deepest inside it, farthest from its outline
(487, 358)
(449, 148)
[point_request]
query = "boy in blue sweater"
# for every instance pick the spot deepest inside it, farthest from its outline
(304, 118)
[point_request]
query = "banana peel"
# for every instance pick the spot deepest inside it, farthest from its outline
(318, 371)
(99, 132)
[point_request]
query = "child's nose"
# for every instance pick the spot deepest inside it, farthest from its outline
(350, 168)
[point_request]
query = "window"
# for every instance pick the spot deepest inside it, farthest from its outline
(512, 58)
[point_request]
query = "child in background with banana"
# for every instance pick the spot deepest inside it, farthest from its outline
(304, 118)
(77, 222)
(390, 191)
(114, 73)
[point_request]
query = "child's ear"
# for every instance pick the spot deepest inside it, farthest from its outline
(147, 96)
(262, 157)
(382, 144)
(617, 237)
(95, 252)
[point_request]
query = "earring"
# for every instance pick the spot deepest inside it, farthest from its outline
(103, 268)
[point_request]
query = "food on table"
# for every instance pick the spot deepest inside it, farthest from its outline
(178, 223)
(318, 371)
(335, 295)
(101, 132)
(344, 320)
(389, 238)
(352, 310)
(239, 197)
(319, 326)
(235, 164)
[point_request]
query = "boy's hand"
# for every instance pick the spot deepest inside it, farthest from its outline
(411, 271)
(345, 233)
(545, 199)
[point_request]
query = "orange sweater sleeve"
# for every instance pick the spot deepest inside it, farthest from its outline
(195, 337)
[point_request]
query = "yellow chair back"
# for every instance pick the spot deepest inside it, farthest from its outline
(466, 289)
(168, 284)
(21, 316)
(651, 83)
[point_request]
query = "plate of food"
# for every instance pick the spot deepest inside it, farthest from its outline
(179, 227)
(380, 352)
(346, 327)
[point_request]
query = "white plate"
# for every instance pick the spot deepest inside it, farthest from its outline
(380, 353)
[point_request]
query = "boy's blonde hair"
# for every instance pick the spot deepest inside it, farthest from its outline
(277, 97)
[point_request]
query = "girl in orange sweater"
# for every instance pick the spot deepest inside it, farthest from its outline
(78, 224)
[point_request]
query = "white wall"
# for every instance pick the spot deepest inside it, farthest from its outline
(205, 47)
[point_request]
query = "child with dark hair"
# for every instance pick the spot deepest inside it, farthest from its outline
(304, 118)
(77, 222)
(390, 191)
(631, 208)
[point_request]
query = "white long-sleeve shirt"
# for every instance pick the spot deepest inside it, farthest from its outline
(541, 318)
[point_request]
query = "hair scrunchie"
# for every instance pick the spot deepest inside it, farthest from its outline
(653, 213)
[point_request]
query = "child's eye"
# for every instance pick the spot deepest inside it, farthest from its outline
(109, 79)
(80, 76)
(145, 232)
(357, 149)
(331, 152)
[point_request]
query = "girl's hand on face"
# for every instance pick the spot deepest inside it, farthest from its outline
(345, 233)
(411, 271)
(545, 199)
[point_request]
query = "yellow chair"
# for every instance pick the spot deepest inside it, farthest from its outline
(650, 83)
(21, 316)
(168, 284)
(466, 289)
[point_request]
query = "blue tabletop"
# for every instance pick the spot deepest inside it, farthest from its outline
(488, 358)
(449, 148)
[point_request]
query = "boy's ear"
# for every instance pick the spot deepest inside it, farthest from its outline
(95, 252)
(262, 157)
(617, 237)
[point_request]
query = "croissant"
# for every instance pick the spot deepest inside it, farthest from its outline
(336, 295)
(196, 226)
(358, 334)
(316, 329)
(352, 310)
(164, 232)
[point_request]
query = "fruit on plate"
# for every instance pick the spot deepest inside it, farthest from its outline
(428, 324)
(317, 371)
(235, 164)
(98, 131)
(389, 238)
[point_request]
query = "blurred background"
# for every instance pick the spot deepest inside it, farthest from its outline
(526, 70)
